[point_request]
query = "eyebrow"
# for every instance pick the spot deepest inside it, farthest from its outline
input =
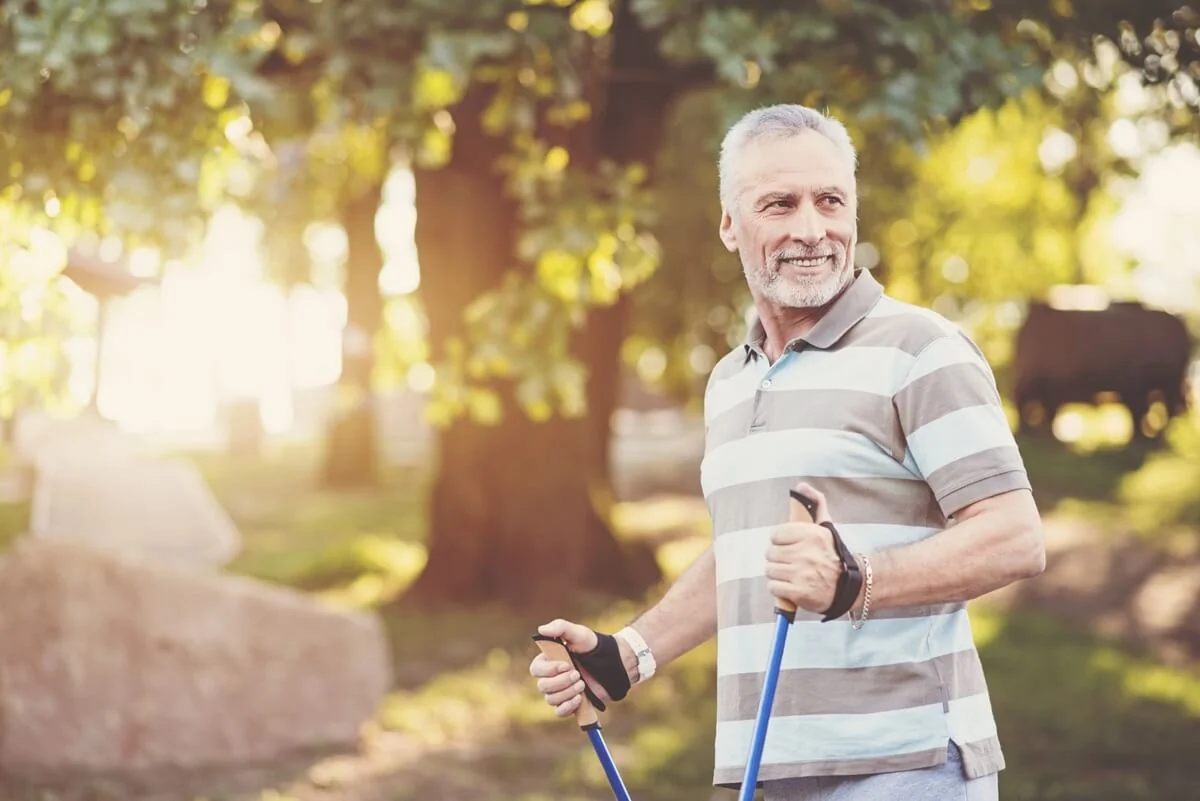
(782, 194)
(771, 197)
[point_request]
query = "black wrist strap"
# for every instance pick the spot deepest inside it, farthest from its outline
(605, 664)
(849, 582)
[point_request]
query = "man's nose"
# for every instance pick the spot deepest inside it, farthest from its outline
(807, 226)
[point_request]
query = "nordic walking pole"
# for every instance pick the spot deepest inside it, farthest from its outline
(586, 716)
(801, 509)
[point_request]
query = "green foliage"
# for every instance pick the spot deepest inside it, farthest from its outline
(1157, 38)
(972, 218)
(139, 122)
(984, 220)
(116, 110)
(892, 66)
(1015, 200)
(37, 313)
(584, 253)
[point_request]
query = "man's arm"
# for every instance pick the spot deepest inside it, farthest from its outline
(956, 434)
(683, 619)
(994, 542)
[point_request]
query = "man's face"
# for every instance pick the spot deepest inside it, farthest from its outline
(792, 219)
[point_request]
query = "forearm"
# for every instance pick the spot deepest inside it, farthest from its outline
(683, 619)
(977, 555)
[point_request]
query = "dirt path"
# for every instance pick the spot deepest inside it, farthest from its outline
(1143, 594)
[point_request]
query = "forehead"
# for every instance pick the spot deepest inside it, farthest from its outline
(806, 159)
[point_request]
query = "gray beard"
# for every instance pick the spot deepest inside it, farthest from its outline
(790, 292)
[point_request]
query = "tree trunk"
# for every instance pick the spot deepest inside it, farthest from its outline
(512, 517)
(517, 509)
(351, 457)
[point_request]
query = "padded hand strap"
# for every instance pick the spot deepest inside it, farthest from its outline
(850, 581)
(605, 664)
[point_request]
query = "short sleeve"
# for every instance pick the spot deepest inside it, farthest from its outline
(956, 433)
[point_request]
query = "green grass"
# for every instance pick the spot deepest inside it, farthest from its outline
(14, 521)
(1165, 493)
(1150, 488)
(1064, 474)
(14, 515)
(298, 534)
(1079, 718)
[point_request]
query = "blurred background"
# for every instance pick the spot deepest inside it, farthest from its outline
(342, 343)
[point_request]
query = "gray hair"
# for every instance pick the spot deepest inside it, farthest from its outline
(783, 120)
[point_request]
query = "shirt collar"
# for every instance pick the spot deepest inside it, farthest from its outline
(843, 314)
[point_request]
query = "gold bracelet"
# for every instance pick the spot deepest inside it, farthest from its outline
(868, 580)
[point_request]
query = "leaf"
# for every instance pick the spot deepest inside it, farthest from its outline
(215, 92)
(560, 272)
(483, 406)
(436, 87)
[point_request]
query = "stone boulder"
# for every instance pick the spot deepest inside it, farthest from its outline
(111, 664)
(42, 439)
(147, 507)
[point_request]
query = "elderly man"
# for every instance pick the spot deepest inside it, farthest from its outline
(889, 417)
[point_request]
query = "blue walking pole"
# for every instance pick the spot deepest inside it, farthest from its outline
(800, 510)
(587, 717)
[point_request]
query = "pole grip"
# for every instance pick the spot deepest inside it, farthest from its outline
(801, 509)
(555, 651)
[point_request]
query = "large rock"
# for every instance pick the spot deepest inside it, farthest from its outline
(41, 439)
(152, 507)
(110, 664)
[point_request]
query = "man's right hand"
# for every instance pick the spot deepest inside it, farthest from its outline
(558, 682)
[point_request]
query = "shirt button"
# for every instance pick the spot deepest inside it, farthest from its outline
(766, 384)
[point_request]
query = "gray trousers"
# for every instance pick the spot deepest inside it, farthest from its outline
(939, 783)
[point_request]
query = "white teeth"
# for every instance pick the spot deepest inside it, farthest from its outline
(808, 262)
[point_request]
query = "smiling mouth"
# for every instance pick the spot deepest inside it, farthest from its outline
(815, 261)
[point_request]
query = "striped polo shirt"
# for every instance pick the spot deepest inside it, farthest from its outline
(892, 412)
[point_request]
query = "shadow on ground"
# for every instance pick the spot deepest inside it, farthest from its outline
(1079, 719)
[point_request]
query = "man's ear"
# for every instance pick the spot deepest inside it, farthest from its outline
(726, 232)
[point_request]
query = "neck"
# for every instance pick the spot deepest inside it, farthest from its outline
(782, 324)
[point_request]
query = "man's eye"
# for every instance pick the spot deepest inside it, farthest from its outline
(834, 199)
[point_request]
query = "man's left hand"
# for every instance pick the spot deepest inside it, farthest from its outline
(802, 565)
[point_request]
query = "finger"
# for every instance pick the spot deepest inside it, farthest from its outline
(781, 589)
(567, 708)
(543, 667)
(557, 684)
(776, 571)
(783, 555)
(823, 514)
(787, 533)
(559, 698)
(579, 638)
(554, 628)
